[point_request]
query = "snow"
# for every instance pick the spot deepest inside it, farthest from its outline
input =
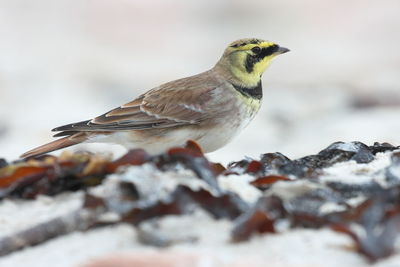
(241, 186)
(288, 190)
(351, 172)
(193, 235)
(75, 248)
(17, 215)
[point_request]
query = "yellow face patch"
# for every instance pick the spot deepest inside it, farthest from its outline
(249, 58)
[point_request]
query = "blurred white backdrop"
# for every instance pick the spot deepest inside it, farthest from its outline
(63, 61)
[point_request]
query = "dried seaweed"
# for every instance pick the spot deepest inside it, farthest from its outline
(382, 147)
(378, 215)
(265, 182)
(183, 200)
(309, 166)
(354, 190)
(260, 219)
(50, 175)
(3, 163)
(191, 159)
(133, 157)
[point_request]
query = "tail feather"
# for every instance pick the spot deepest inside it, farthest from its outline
(55, 145)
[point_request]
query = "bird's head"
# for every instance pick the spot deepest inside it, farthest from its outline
(247, 59)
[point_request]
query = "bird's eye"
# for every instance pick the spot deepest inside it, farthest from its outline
(256, 50)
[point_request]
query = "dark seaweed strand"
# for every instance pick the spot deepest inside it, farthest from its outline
(252, 92)
(251, 60)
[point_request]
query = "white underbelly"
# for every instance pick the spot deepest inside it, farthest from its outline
(209, 138)
(230, 128)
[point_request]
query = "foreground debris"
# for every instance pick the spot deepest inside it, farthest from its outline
(378, 212)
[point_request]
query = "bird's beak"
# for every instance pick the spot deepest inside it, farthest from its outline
(282, 50)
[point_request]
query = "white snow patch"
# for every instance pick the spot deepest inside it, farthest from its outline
(288, 190)
(331, 207)
(240, 184)
(76, 248)
(351, 147)
(351, 172)
(18, 215)
(355, 201)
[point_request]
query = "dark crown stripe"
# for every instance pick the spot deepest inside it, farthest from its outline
(252, 92)
(252, 41)
(251, 60)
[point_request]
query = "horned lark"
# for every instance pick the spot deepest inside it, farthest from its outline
(209, 108)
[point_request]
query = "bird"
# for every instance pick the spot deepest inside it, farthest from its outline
(209, 108)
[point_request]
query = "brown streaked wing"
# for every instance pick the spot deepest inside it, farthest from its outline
(178, 105)
(162, 108)
(180, 102)
(155, 109)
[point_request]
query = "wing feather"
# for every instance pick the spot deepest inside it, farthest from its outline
(170, 105)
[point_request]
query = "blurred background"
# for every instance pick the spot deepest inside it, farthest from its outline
(63, 61)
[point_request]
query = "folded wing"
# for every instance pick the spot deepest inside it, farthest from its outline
(156, 109)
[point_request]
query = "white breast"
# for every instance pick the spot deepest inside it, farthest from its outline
(231, 126)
